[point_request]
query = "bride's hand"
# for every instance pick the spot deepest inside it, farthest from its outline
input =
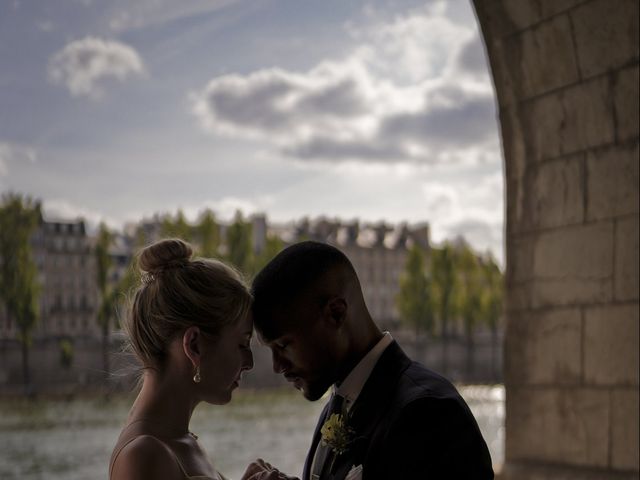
(261, 470)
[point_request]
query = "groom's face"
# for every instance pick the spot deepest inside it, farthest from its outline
(303, 349)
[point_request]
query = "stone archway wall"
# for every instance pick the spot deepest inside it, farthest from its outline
(566, 77)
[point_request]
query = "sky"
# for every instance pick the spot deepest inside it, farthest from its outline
(377, 110)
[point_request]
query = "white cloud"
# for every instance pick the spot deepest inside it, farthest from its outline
(62, 209)
(412, 90)
(126, 15)
(83, 65)
(12, 153)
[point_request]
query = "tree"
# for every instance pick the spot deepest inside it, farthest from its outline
(66, 353)
(103, 263)
(19, 288)
(177, 227)
(443, 275)
(492, 296)
(209, 233)
(414, 299)
(469, 299)
(239, 244)
(273, 246)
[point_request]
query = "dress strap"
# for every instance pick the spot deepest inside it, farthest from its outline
(128, 441)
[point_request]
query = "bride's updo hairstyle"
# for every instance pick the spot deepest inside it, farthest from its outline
(177, 292)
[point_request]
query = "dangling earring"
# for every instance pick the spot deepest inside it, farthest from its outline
(196, 376)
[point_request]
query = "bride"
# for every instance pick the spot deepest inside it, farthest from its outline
(190, 327)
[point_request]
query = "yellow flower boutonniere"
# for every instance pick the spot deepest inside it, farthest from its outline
(336, 434)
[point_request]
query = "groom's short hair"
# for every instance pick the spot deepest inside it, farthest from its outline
(291, 274)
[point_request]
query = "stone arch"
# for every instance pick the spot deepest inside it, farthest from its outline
(566, 78)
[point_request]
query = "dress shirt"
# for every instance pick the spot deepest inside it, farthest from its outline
(351, 387)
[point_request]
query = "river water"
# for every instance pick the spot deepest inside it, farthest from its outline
(72, 439)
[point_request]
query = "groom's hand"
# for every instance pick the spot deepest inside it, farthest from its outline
(261, 470)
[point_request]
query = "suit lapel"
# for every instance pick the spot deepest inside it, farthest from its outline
(314, 444)
(369, 409)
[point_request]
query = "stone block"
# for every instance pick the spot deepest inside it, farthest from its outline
(517, 15)
(529, 471)
(544, 348)
(570, 120)
(612, 185)
(555, 194)
(626, 268)
(542, 57)
(627, 105)
(625, 449)
(555, 425)
(520, 258)
(606, 35)
(611, 345)
(573, 265)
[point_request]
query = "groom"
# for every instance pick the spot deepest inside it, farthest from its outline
(388, 417)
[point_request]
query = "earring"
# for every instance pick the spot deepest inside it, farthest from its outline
(196, 376)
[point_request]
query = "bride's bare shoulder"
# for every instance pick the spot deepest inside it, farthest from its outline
(146, 457)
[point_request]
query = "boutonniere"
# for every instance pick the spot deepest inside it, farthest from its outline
(336, 434)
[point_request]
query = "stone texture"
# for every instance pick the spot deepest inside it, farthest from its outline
(627, 271)
(601, 24)
(520, 258)
(545, 348)
(517, 15)
(553, 425)
(573, 265)
(529, 471)
(555, 194)
(570, 120)
(611, 345)
(528, 53)
(624, 430)
(612, 185)
(627, 104)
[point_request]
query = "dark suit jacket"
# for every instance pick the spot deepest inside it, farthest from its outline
(410, 423)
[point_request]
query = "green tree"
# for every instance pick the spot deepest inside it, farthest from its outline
(66, 353)
(209, 233)
(176, 227)
(19, 288)
(443, 275)
(492, 298)
(469, 299)
(273, 246)
(103, 264)
(239, 244)
(414, 299)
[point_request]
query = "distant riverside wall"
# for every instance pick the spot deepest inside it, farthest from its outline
(86, 372)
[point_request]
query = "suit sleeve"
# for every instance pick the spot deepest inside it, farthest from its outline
(437, 438)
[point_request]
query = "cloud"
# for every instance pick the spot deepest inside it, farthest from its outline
(412, 90)
(126, 15)
(472, 58)
(83, 65)
(278, 104)
(11, 153)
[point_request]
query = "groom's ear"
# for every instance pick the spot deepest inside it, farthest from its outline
(336, 310)
(191, 344)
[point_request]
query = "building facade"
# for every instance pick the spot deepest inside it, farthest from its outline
(66, 267)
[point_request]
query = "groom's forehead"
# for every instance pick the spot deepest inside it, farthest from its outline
(284, 322)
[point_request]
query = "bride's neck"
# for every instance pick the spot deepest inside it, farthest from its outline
(164, 404)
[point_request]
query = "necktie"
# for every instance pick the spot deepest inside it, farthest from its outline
(323, 451)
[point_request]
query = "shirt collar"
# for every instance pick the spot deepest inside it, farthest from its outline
(351, 387)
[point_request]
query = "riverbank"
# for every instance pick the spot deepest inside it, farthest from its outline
(70, 437)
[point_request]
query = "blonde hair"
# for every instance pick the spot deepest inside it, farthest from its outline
(177, 292)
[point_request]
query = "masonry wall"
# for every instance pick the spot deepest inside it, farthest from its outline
(566, 77)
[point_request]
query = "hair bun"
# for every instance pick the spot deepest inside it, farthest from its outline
(168, 253)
